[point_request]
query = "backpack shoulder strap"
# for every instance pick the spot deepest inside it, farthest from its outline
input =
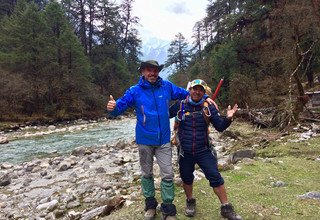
(181, 112)
(206, 112)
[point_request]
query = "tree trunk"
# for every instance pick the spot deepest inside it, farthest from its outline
(83, 35)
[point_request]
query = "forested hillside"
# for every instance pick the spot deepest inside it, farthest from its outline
(60, 60)
(264, 50)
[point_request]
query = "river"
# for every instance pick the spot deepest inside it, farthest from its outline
(34, 142)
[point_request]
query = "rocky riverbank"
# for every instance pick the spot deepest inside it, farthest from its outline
(80, 185)
(70, 186)
(91, 182)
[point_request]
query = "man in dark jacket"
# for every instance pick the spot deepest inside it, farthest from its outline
(150, 98)
(195, 115)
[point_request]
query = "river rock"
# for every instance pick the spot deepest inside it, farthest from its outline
(72, 215)
(64, 166)
(306, 135)
(310, 195)
(73, 204)
(51, 127)
(224, 166)
(27, 182)
(96, 156)
(278, 184)
(3, 205)
(72, 159)
(48, 177)
(29, 168)
(50, 206)
(69, 198)
(4, 179)
(240, 154)
(4, 140)
(44, 164)
(94, 213)
(43, 173)
(79, 151)
(59, 213)
(100, 170)
(6, 166)
(87, 200)
(121, 144)
(315, 128)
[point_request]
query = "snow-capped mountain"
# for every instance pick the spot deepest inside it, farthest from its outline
(156, 49)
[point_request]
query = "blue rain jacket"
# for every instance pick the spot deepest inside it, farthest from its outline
(151, 103)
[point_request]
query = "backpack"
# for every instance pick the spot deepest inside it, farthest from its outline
(205, 109)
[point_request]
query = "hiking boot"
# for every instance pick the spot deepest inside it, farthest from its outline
(190, 207)
(168, 211)
(169, 217)
(150, 214)
(228, 212)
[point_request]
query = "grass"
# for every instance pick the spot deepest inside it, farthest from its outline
(251, 192)
(250, 188)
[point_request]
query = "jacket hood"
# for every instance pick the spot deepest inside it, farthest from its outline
(147, 85)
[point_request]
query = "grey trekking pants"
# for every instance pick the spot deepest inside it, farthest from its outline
(163, 155)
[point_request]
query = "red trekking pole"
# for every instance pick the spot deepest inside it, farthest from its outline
(217, 89)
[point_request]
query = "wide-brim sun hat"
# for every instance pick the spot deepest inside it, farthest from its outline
(152, 64)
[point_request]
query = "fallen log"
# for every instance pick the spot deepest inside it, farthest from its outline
(252, 116)
(310, 119)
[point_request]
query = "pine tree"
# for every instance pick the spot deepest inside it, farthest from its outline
(178, 53)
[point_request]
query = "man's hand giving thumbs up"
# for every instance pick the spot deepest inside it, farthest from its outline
(111, 104)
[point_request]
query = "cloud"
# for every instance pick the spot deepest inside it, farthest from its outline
(179, 8)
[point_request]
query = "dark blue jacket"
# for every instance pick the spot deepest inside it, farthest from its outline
(151, 103)
(193, 130)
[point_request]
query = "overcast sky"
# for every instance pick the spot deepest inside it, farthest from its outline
(163, 19)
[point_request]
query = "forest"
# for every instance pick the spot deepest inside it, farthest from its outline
(62, 59)
(59, 60)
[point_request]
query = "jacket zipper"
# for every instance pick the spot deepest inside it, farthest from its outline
(144, 116)
(155, 101)
(194, 132)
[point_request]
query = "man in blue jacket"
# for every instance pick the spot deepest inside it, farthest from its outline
(150, 98)
(194, 116)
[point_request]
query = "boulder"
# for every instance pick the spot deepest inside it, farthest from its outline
(64, 166)
(59, 213)
(43, 173)
(121, 144)
(100, 170)
(73, 204)
(5, 179)
(51, 127)
(310, 195)
(27, 182)
(240, 154)
(50, 206)
(115, 203)
(72, 215)
(4, 140)
(79, 151)
(3, 205)
(6, 166)
(93, 214)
